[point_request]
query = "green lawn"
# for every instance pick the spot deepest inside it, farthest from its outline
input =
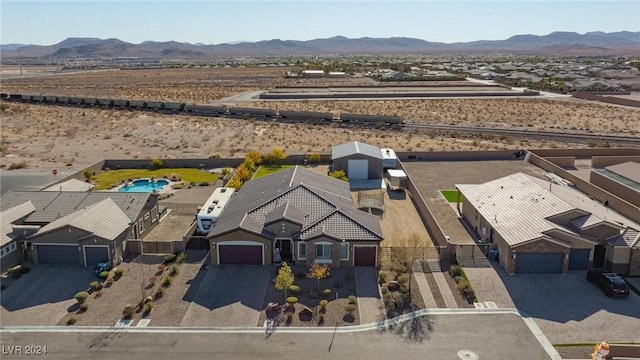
(451, 195)
(106, 178)
(265, 170)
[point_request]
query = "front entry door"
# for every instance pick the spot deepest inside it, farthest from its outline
(286, 249)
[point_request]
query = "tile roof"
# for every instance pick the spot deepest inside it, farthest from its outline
(10, 215)
(355, 147)
(630, 237)
(104, 219)
(52, 205)
(300, 195)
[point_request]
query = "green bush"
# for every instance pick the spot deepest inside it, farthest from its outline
(326, 292)
(81, 296)
(169, 258)
(148, 307)
(157, 163)
(174, 269)
(84, 307)
(161, 291)
(349, 308)
(294, 289)
(72, 320)
(323, 303)
(292, 300)
(118, 272)
(463, 285)
(182, 257)
(104, 275)
(167, 280)
(352, 299)
(403, 278)
(398, 268)
(383, 275)
(94, 285)
(404, 289)
(455, 270)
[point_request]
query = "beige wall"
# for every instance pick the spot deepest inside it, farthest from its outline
(563, 161)
(600, 162)
(624, 192)
(241, 235)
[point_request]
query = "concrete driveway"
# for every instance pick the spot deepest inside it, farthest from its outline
(229, 295)
(42, 296)
(569, 309)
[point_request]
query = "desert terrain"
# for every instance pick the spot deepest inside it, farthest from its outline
(46, 137)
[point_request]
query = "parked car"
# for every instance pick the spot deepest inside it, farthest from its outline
(611, 283)
(100, 267)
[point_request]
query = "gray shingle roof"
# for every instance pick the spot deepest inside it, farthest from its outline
(52, 205)
(104, 219)
(300, 195)
(10, 215)
(355, 147)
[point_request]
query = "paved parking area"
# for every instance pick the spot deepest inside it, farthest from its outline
(172, 227)
(42, 296)
(229, 295)
(569, 309)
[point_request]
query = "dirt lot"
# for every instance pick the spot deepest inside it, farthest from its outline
(401, 222)
(172, 227)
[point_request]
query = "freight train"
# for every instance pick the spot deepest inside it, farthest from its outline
(209, 110)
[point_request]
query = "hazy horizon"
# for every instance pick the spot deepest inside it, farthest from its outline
(217, 22)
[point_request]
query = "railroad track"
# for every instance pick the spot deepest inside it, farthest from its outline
(530, 134)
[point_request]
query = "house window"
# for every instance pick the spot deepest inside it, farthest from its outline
(154, 215)
(323, 251)
(344, 251)
(302, 250)
(146, 216)
(141, 226)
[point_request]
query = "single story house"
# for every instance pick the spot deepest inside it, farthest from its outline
(95, 224)
(358, 160)
(299, 215)
(540, 227)
(10, 246)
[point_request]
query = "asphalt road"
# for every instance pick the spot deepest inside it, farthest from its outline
(490, 336)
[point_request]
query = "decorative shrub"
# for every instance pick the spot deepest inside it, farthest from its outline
(94, 285)
(181, 257)
(292, 300)
(323, 303)
(294, 289)
(167, 280)
(404, 289)
(350, 308)
(81, 297)
(403, 278)
(455, 270)
(174, 269)
(398, 268)
(161, 268)
(104, 275)
(109, 282)
(161, 290)
(383, 275)
(352, 299)
(84, 307)
(326, 292)
(128, 311)
(118, 272)
(169, 258)
(72, 320)
(463, 285)
(148, 307)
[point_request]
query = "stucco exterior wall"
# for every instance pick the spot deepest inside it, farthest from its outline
(615, 188)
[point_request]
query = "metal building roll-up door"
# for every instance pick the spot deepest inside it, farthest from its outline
(358, 169)
(538, 263)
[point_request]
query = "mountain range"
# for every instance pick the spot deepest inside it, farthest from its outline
(561, 43)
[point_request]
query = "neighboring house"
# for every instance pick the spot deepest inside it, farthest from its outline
(590, 85)
(358, 160)
(622, 180)
(87, 236)
(71, 185)
(309, 217)
(140, 210)
(10, 245)
(539, 227)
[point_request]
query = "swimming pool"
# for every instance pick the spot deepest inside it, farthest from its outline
(144, 185)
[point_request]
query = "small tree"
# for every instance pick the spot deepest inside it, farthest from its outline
(89, 174)
(235, 183)
(318, 272)
(249, 164)
(226, 170)
(157, 163)
(284, 279)
(276, 154)
(339, 174)
(255, 156)
(243, 173)
(315, 158)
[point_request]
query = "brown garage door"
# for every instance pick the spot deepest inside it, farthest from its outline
(364, 256)
(240, 254)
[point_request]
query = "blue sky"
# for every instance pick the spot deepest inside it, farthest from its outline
(213, 22)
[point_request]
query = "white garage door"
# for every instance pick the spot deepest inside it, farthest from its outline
(358, 169)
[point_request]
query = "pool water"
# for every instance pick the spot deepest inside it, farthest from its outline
(144, 185)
